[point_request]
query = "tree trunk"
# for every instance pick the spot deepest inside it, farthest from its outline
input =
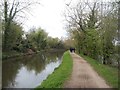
(7, 23)
(6, 26)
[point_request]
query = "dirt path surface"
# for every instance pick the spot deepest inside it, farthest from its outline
(83, 75)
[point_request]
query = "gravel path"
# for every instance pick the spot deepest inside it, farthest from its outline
(83, 75)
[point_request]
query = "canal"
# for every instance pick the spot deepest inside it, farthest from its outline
(29, 71)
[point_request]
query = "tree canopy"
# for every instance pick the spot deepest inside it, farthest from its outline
(94, 26)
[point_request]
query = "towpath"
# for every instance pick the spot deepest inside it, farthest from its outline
(83, 75)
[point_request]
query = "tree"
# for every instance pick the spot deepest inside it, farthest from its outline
(37, 38)
(82, 16)
(12, 9)
(52, 42)
(15, 34)
(94, 31)
(108, 32)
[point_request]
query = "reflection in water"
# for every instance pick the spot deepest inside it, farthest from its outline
(29, 71)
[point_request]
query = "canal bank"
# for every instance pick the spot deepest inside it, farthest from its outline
(14, 54)
(29, 71)
(60, 75)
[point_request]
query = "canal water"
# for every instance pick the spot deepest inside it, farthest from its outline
(29, 71)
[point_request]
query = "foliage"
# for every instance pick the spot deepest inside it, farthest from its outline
(11, 9)
(33, 41)
(14, 39)
(37, 38)
(54, 43)
(15, 36)
(94, 32)
(57, 78)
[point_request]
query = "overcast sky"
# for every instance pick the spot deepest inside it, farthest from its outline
(49, 16)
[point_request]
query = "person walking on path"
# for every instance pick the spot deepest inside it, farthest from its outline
(72, 49)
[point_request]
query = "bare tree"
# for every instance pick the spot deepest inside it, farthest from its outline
(82, 16)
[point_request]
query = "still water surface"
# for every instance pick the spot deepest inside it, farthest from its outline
(29, 71)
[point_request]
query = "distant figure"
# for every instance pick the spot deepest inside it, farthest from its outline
(72, 49)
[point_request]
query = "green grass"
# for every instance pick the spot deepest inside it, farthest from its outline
(110, 74)
(60, 75)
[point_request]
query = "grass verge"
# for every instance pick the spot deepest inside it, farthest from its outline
(60, 75)
(110, 74)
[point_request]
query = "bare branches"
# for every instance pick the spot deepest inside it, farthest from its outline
(12, 9)
(86, 15)
(76, 16)
(15, 7)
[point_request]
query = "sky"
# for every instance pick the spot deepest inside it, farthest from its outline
(49, 16)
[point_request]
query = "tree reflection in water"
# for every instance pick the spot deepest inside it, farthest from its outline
(11, 69)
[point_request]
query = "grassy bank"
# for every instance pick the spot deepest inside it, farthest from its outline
(110, 74)
(57, 78)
